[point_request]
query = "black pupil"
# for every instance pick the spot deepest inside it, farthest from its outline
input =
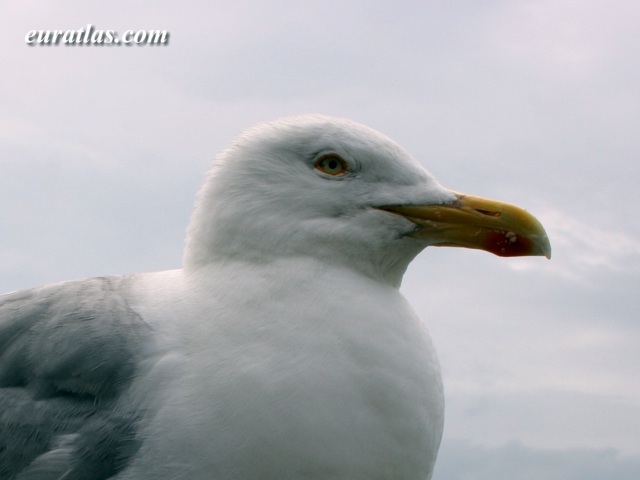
(333, 164)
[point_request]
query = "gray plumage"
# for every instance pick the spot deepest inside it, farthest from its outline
(67, 352)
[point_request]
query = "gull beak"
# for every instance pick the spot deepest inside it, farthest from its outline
(476, 222)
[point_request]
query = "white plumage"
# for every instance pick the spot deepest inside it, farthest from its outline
(282, 349)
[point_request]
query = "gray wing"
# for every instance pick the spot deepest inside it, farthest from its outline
(67, 353)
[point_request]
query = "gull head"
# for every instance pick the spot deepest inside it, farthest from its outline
(342, 193)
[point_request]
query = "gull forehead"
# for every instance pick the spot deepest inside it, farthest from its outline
(302, 138)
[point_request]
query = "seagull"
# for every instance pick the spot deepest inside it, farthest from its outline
(282, 349)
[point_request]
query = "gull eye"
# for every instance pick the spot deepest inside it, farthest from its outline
(332, 164)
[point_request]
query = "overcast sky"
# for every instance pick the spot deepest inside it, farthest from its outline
(533, 102)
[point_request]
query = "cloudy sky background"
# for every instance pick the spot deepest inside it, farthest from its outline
(533, 102)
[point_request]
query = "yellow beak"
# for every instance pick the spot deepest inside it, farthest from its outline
(475, 222)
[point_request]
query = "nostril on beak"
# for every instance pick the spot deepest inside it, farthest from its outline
(488, 213)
